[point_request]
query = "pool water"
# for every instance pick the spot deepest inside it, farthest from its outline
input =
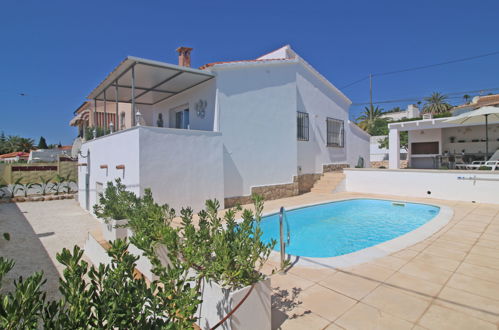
(338, 228)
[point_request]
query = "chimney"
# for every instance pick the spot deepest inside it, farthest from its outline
(184, 56)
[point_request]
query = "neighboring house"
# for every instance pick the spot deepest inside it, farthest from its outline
(85, 117)
(412, 111)
(13, 157)
(49, 155)
(477, 102)
(271, 126)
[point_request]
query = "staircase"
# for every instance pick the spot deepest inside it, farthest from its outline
(328, 182)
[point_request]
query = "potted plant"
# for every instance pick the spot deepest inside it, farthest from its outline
(228, 255)
(113, 208)
(151, 235)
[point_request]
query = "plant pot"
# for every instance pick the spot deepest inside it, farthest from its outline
(254, 313)
(112, 229)
(143, 264)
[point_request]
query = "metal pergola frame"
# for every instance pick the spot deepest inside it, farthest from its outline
(129, 65)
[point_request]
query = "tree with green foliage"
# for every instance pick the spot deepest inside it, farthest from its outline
(42, 144)
(367, 118)
(466, 98)
(17, 144)
(404, 141)
(436, 103)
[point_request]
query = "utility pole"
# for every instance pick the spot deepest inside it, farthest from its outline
(371, 90)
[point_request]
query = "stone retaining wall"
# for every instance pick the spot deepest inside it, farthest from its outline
(306, 182)
(334, 167)
(301, 184)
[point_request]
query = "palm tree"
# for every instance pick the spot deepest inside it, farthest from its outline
(436, 104)
(466, 98)
(17, 143)
(369, 116)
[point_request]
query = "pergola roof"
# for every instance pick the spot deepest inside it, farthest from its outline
(154, 81)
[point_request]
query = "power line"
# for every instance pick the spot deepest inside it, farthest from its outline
(464, 59)
(409, 99)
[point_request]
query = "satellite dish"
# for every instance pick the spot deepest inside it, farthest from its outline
(75, 149)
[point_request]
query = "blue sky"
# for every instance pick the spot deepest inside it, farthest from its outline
(56, 52)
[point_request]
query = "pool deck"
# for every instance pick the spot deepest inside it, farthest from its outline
(449, 280)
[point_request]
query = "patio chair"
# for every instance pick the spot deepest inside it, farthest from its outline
(478, 163)
(492, 164)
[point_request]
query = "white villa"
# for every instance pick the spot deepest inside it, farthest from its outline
(271, 125)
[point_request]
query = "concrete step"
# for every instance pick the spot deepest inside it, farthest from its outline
(328, 182)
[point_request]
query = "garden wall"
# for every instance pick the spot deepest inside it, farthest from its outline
(32, 173)
(478, 186)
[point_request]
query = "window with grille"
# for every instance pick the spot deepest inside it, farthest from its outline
(335, 132)
(302, 122)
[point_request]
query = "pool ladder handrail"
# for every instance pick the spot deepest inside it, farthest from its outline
(281, 237)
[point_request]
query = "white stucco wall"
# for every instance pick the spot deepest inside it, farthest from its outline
(416, 183)
(204, 91)
(320, 102)
(182, 167)
(115, 149)
(358, 145)
(257, 107)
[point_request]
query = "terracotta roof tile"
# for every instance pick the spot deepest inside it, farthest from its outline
(15, 154)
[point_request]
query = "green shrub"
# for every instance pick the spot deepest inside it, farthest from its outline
(111, 298)
(115, 203)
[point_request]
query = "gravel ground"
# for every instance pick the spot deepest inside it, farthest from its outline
(38, 231)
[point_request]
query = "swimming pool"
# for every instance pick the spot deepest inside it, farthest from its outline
(338, 228)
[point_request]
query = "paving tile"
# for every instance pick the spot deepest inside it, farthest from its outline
(480, 272)
(405, 254)
(350, 285)
(289, 281)
(396, 302)
(415, 285)
(420, 246)
(481, 307)
(363, 316)
(475, 285)
(302, 320)
(447, 252)
(371, 271)
(474, 228)
(490, 237)
(334, 326)
(437, 261)
(438, 317)
(312, 274)
(390, 262)
(325, 302)
(425, 272)
(452, 246)
(487, 243)
(485, 251)
(480, 260)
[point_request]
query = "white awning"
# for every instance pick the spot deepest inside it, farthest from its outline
(153, 81)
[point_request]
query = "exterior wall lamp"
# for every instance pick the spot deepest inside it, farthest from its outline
(138, 118)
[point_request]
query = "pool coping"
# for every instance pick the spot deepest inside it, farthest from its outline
(373, 252)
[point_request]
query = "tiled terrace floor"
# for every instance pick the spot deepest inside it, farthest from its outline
(448, 281)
